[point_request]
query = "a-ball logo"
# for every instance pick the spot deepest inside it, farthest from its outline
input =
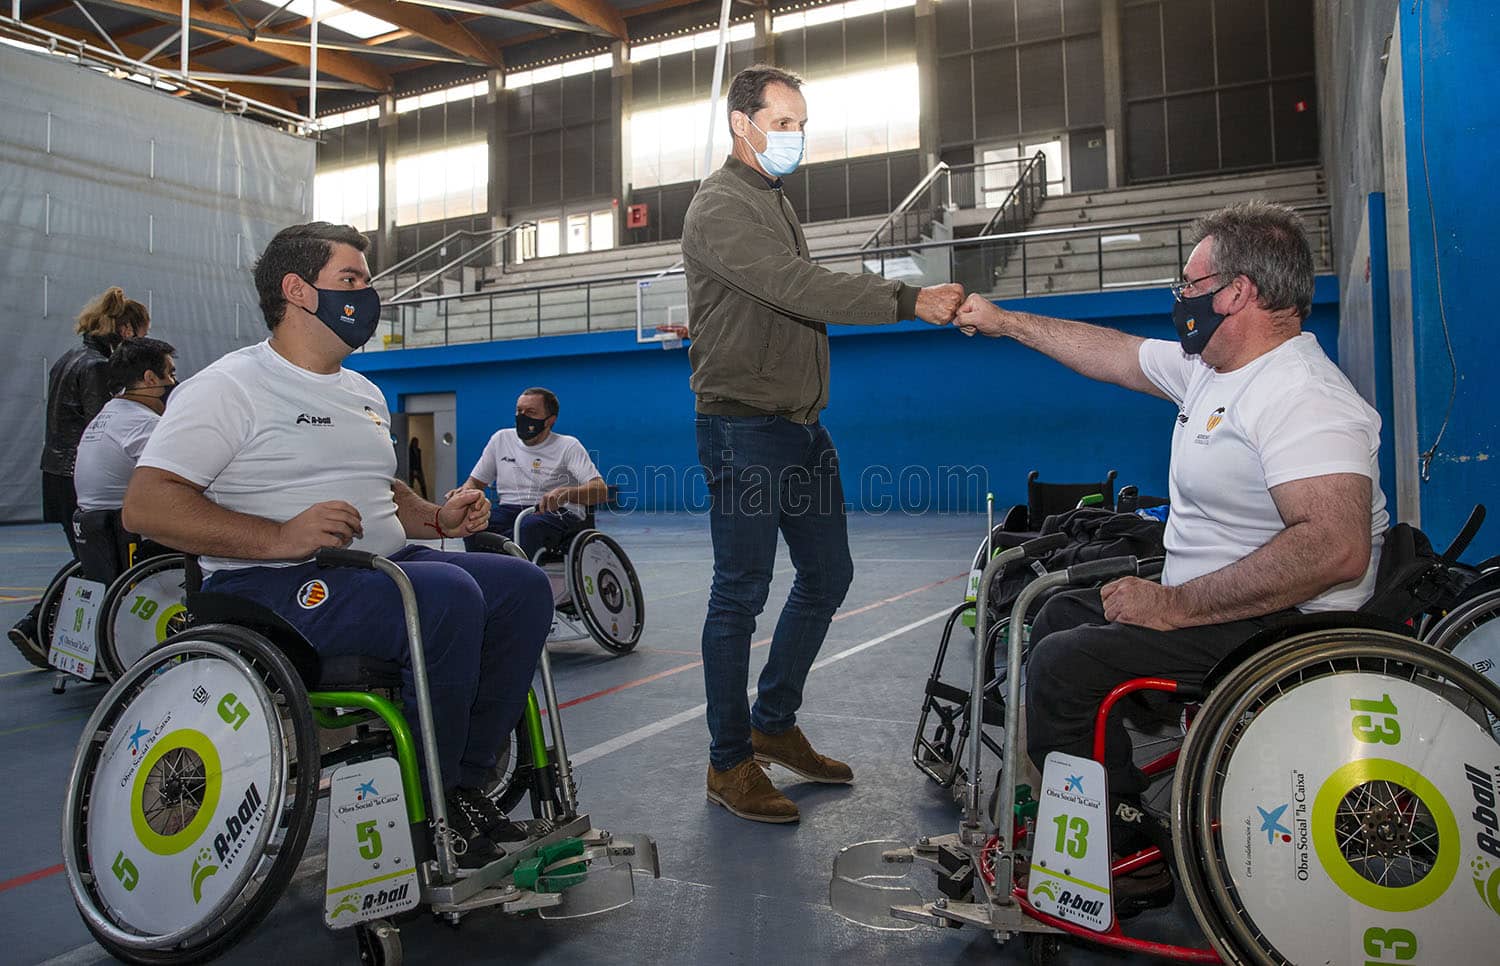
(384, 897)
(227, 843)
(304, 419)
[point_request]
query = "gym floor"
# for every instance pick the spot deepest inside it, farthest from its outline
(731, 891)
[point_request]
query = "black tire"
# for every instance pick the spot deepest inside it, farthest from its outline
(511, 776)
(612, 640)
(113, 662)
(1042, 948)
(1463, 619)
(294, 807)
(46, 616)
(1242, 696)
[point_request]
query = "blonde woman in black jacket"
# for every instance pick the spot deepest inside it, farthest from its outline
(76, 390)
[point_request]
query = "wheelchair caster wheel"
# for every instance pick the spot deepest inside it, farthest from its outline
(1042, 948)
(379, 944)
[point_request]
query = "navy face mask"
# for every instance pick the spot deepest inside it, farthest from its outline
(353, 315)
(528, 428)
(1196, 320)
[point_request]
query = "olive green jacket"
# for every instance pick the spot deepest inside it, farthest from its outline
(758, 308)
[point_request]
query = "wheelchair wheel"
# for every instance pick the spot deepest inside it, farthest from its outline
(603, 588)
(191, 797)
(144, 607)
(46, 615)
(1471, 633)
(1325, 808)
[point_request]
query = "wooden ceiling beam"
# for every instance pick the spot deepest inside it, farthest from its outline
(265, 93)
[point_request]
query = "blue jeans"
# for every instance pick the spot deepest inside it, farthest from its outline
(767, 475)
(484, 619)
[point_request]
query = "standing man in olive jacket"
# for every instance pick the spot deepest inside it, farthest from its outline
(758, 312)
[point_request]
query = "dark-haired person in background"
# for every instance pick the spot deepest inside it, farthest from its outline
(143, 374)
(276, 451)
(1275, 495)
(758, 314)
(77, 389)
(534, 468)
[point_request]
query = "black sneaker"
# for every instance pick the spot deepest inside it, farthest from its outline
(471, 847)
(24, 637)
(1132, 827)
(1149, 887)
(495, 824)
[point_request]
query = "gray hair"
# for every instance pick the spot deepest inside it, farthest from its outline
(1267, 244)
(747, 92)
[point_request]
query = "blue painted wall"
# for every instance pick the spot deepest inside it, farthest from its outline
(1448, 48)
(925, 419)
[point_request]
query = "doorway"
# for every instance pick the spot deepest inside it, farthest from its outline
(426, 447)
(1003, 164)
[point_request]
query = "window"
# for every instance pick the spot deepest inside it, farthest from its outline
(849, 116)
(329, 122)
(834, 12)
(1005, 164)
(442, 184)
(578, 234)
(337, 16)
(590, 231)
(581, 65)
(348, 196)
(681, 45)
(602, 230)
(447, 95)
(546, 238)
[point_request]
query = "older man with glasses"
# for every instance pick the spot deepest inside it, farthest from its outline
(1276, 505)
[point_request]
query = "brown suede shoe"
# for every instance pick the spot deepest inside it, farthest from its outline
(747, 792)
(792, 751)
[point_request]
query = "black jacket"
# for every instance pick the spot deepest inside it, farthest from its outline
(77, 388)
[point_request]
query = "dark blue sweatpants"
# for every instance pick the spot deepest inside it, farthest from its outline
(484, 620)
(550, 529)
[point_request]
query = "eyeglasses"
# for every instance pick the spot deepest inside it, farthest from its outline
(1186, 283)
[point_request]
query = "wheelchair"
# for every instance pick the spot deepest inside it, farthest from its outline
(193, 791)
(942, 725)
(143, 586)
(594, 587)
(1354, 848)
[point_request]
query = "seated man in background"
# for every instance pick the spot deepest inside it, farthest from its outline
(141, 373)
(533, 467)
(276, 451)
(1275, 498)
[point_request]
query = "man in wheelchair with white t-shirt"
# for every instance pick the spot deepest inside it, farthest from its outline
(1276, 506)
(534, 468)
(276, 451)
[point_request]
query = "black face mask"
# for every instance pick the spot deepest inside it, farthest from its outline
(353, 315)
(529, 429)
(1196, 320)
(166, 390)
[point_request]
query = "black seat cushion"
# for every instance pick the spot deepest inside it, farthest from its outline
(103, 545)
(358, 672)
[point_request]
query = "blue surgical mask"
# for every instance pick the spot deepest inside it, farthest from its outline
(1196, 320)
(352, 315)
(783, 151)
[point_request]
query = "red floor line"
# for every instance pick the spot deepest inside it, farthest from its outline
(30, 877)
(615, 689)
(39, 874)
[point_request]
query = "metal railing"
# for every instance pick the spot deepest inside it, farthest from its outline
(943, 189)
(410, 265)
(1087, 258)
(154, 77)
(1015, 212)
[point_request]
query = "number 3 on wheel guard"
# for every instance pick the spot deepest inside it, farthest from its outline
(1070, 862)
(371, 874)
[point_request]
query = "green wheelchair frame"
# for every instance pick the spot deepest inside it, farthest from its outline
(566, 868)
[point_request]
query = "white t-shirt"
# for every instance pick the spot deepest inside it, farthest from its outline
(268, 438)
(522, 473)
(111, 444)
(1289, 415)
